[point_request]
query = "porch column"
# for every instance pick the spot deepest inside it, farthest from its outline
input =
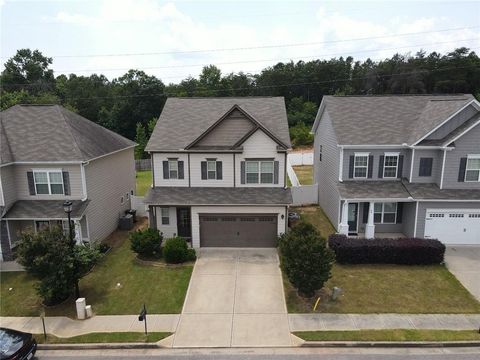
(343, 226)
(370, 227)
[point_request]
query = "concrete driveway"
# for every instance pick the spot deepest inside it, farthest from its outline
(464, 263)
(235, 298)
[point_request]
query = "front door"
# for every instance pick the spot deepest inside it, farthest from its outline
(352, 218)
(184, 223)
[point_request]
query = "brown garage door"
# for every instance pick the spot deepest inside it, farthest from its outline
(246, 230)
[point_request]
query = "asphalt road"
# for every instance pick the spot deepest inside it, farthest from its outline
(268, 354)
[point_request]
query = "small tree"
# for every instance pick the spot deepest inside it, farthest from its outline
(176, 251)
(141, 140)
(48, 256)
(305, 258)
(146, 243)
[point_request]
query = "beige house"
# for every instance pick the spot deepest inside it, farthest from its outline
(50, 154)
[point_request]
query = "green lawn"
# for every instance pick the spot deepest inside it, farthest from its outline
(144, 181)
(383, 288)
(304, 174)
(390, 335)
(162, 289)
(116, 337)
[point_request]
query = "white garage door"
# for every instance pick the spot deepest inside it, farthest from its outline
(453, 226)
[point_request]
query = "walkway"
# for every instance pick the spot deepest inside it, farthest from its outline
(235, 298)
(464, 263)
(7, 266)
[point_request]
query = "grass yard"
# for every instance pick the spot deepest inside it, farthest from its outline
(390, 335)
(316, 216)
(162, 289)
(144, 181)
(116, 337)
(304, 174)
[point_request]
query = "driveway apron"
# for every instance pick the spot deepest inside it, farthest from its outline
(464, 263)
(235, 299)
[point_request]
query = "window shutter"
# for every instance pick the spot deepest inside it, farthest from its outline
(275, 172)
(242, 172)
(66, 182)
(219, 170)
(203, 168)
(461, 170)
(370, 166)
(425, 167)
(350, 166)
(399, 212)
(400, 167)
(380, 166)
(365, 212)
(166, 174)
(31, 183)
(180, 170)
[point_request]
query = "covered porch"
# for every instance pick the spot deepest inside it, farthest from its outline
(373, 209)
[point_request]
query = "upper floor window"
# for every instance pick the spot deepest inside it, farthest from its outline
(173, 168)
(360, 164)
(211, 169)
(385, 213)
(390, 166)
(259, 172)
(472, 170)
(48, 182)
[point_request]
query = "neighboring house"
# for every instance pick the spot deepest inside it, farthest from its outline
(50, 154)
(219, 171)
(400, 164)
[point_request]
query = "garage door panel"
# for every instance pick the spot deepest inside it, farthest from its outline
(453, 226)
(243, 230)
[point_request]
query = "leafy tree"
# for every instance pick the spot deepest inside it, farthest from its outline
(8, 99)
(300, 135)
(151, 125)
(305, 258)
(141, 140)
(300, 111)
(48, 256)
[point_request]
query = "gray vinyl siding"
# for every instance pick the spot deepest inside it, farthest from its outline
(437, 156)
(20, 174)
(376, 161)
(467, 144)
(423, 206)
(453, 123)
(326, 172)
(409, 218)
(108, 179)
(8, 185)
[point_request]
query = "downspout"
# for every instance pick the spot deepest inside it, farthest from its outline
(411, 165)
(84, 180)
(443, 168)
(340, 170)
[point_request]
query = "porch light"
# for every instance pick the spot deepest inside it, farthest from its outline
(67, 206)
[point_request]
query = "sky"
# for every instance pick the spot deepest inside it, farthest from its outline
(175, 39)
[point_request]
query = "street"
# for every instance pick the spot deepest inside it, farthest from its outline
(269, 354)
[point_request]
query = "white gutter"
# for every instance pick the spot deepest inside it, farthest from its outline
(113, 152)
(411, 165)
(340, 170)
(415, 224)
(84, 180)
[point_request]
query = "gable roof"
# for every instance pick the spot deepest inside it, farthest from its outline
(184, 120)
(43, 133)
(390, 119)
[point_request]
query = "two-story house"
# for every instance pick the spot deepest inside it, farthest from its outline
(410, 165)
(219, 171)
(50, 154)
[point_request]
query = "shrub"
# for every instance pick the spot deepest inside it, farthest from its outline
(146, 243)
(176, 251)
(305, 258)
(403, 251)
(300, 135)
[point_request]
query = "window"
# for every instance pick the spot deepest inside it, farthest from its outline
(259, 172)
(320, 153)
(385, 213)
(48, 182)
(211, 169)
(425, 167)
(41, 225)
(173, 168)
(360, 166)
(127, 196)
(390, 166)
(472, 171)
(165, 213)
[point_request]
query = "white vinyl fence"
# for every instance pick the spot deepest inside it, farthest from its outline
(138, 204)
(301, 158)
(305, 194)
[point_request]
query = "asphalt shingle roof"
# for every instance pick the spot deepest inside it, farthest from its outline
(218, 196)
(390, 119)
(183, 120)
(44, 209)
(433, 192)
(53, 133)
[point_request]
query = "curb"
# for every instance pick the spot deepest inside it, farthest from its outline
(97, 346)
(390, 344)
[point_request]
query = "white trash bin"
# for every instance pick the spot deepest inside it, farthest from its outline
(81, 304)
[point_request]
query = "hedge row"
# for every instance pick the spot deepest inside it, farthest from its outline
(405, 251)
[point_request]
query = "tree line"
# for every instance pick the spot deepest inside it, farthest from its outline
(131, 103)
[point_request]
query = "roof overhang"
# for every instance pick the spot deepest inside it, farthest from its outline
(44, 209)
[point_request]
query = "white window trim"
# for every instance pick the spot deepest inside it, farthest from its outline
(259, 172)
(170, 168)
(383, 214)
(367, 155)
(214, 170)
(166, 217)
(472, 157)
(397, 155)
(48, 171)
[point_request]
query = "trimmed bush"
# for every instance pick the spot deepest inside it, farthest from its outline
(402, 251)
(176, 251)
(147, 243)
(305, 258)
